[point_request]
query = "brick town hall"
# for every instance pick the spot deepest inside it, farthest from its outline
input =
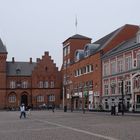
(94, 75)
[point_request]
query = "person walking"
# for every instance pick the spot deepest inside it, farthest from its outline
(53, 106)
(29, 110)
(117, 109)
(22, 111)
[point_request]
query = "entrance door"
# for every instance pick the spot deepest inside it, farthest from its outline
(24, 99)
(138, 103)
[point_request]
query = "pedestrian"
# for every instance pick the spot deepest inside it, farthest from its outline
(113, 109)
(29, 110)
(116, 109)
(53, 106)
(22, 111)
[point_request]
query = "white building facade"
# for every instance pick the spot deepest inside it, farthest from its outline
(121, 67)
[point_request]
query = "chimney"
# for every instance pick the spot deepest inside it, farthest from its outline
(13, 59)
(30, 60)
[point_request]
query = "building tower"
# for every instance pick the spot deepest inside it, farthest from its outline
(3, 57)
(70, 45)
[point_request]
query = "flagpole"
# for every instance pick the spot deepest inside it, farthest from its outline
(76, 23)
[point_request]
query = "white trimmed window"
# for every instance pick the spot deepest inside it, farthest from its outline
(12, 84)
(12, 98)
(128, 87)
(113, 67)
(120, 65)
(88, 68)
(40, 98)
(24, 84)
(91, 68)
(68, 49)
(120, 87)
(113, 87)
(128, 63)
(106, 88)
(64, 51)
(51, 97)
(40, 84)
(106, 69)
(87, 52)
(52, 84)
(46, 84)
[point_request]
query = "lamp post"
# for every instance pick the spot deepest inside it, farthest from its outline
(122, 87)
(85, 96)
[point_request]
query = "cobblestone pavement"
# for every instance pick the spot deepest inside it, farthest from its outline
(46, 125)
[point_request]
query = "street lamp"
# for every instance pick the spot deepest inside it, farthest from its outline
(85, 97)
(122, 91)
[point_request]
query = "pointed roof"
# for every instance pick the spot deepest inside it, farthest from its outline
(77, 36)
(2, 47)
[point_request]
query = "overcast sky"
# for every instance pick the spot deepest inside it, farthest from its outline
(28, 28)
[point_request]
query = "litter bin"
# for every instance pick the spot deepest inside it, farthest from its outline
(65, 108)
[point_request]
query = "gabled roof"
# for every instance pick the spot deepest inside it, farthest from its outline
(2, 47)
(122, 47)
(104, 39)
(108, 38)
(77, 36)
(25, 68)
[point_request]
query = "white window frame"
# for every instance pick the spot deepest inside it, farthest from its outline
(106, 88)
(119, 87)
(40, 98)
(12, 98)
(128, 63)
(128, 86)
(113, 87)
(106, 69)
(51, 97)
(52, 84)
(12, 84)
(25, 84)
(120, 65)
(40, 84)
(113, 67)
(46, 84)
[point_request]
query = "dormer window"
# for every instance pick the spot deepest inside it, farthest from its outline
(87, 51)
(77, 56)
(18, 71)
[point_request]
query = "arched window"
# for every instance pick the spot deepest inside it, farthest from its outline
(12, 98)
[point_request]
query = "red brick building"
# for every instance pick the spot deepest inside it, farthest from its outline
(82, 67)
(31, 83)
